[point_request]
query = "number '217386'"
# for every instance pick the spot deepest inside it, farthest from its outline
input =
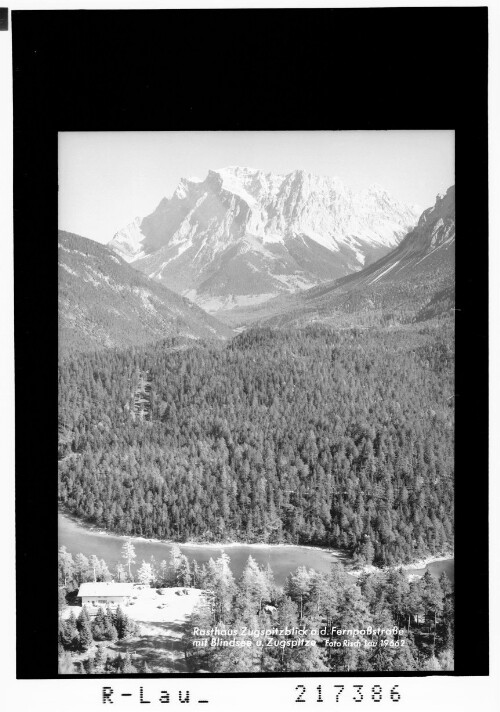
(375, 693)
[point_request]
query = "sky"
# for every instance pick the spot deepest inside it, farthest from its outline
(106, 179)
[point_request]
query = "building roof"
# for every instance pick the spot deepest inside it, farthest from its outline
(106, 588)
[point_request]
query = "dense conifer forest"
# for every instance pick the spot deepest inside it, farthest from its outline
(313, 436)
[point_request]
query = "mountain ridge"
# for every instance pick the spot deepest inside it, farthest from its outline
(104, 302)
(415, 279)
(241, 236)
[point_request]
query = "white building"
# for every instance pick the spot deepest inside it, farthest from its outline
(105, 593)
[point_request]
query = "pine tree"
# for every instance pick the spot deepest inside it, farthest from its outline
(446, 627)
(163, 575)
(414, 603)
(432, 601)
(253, 589)
(154, 570)
(397, 589)
(298, 586)
(198, 657)
(129, 555)
(123, 624)
(403, 659)
(175, 557)
(352, 609)
(195, 574)
(225, 587)
(306, 659)
(318, 596)
(120, 623)
(368, 552)
(183, 571)
(109, 629)
(237, 659)
(61, 602)
(145, 574)
(99, 625)
(99, 660)
(128, 667)
(118, 663)
(84, 629)
(71, 637)
(105, 574)
(108, 665)
(66, 567)
(95, 567)
(81, 568)
(288, 618)
(61, 635)
(381, 657)
(271, 586)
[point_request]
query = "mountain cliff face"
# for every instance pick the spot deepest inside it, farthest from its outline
(416, 281)
(430, 247)
(242, 236)
(103, 302)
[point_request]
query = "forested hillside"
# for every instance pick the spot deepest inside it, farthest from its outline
(311, 436)
(105, 303)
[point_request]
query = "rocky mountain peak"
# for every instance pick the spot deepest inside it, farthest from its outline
(242, 235)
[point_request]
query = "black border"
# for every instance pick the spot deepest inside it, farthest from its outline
(385, 68)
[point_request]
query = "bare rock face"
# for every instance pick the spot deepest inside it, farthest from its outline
(428, 248)
(413, 282)
(242, 236)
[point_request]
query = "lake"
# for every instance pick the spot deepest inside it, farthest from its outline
(282, 559)
(437, 568)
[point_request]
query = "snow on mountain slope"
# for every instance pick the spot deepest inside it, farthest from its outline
(104, 302)
(428, 247)
(242, 235)
(415, 281)
(127, 242)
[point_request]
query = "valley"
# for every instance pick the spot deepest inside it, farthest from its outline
(242, 236)
(256, 399)
(414, 283)
(104, 303)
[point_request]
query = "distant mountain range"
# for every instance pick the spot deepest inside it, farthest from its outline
(229, 251)
(414, 282)
(240, 237)
(103, 302)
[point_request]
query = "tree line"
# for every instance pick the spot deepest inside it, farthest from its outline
(75, 570)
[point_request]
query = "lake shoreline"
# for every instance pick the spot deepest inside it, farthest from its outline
(342, 556)
(92, 529)
(417, 565)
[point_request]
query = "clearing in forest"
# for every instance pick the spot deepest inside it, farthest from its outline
(163, 616)
(142, 397)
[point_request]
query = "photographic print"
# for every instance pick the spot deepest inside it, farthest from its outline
(256, 368)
